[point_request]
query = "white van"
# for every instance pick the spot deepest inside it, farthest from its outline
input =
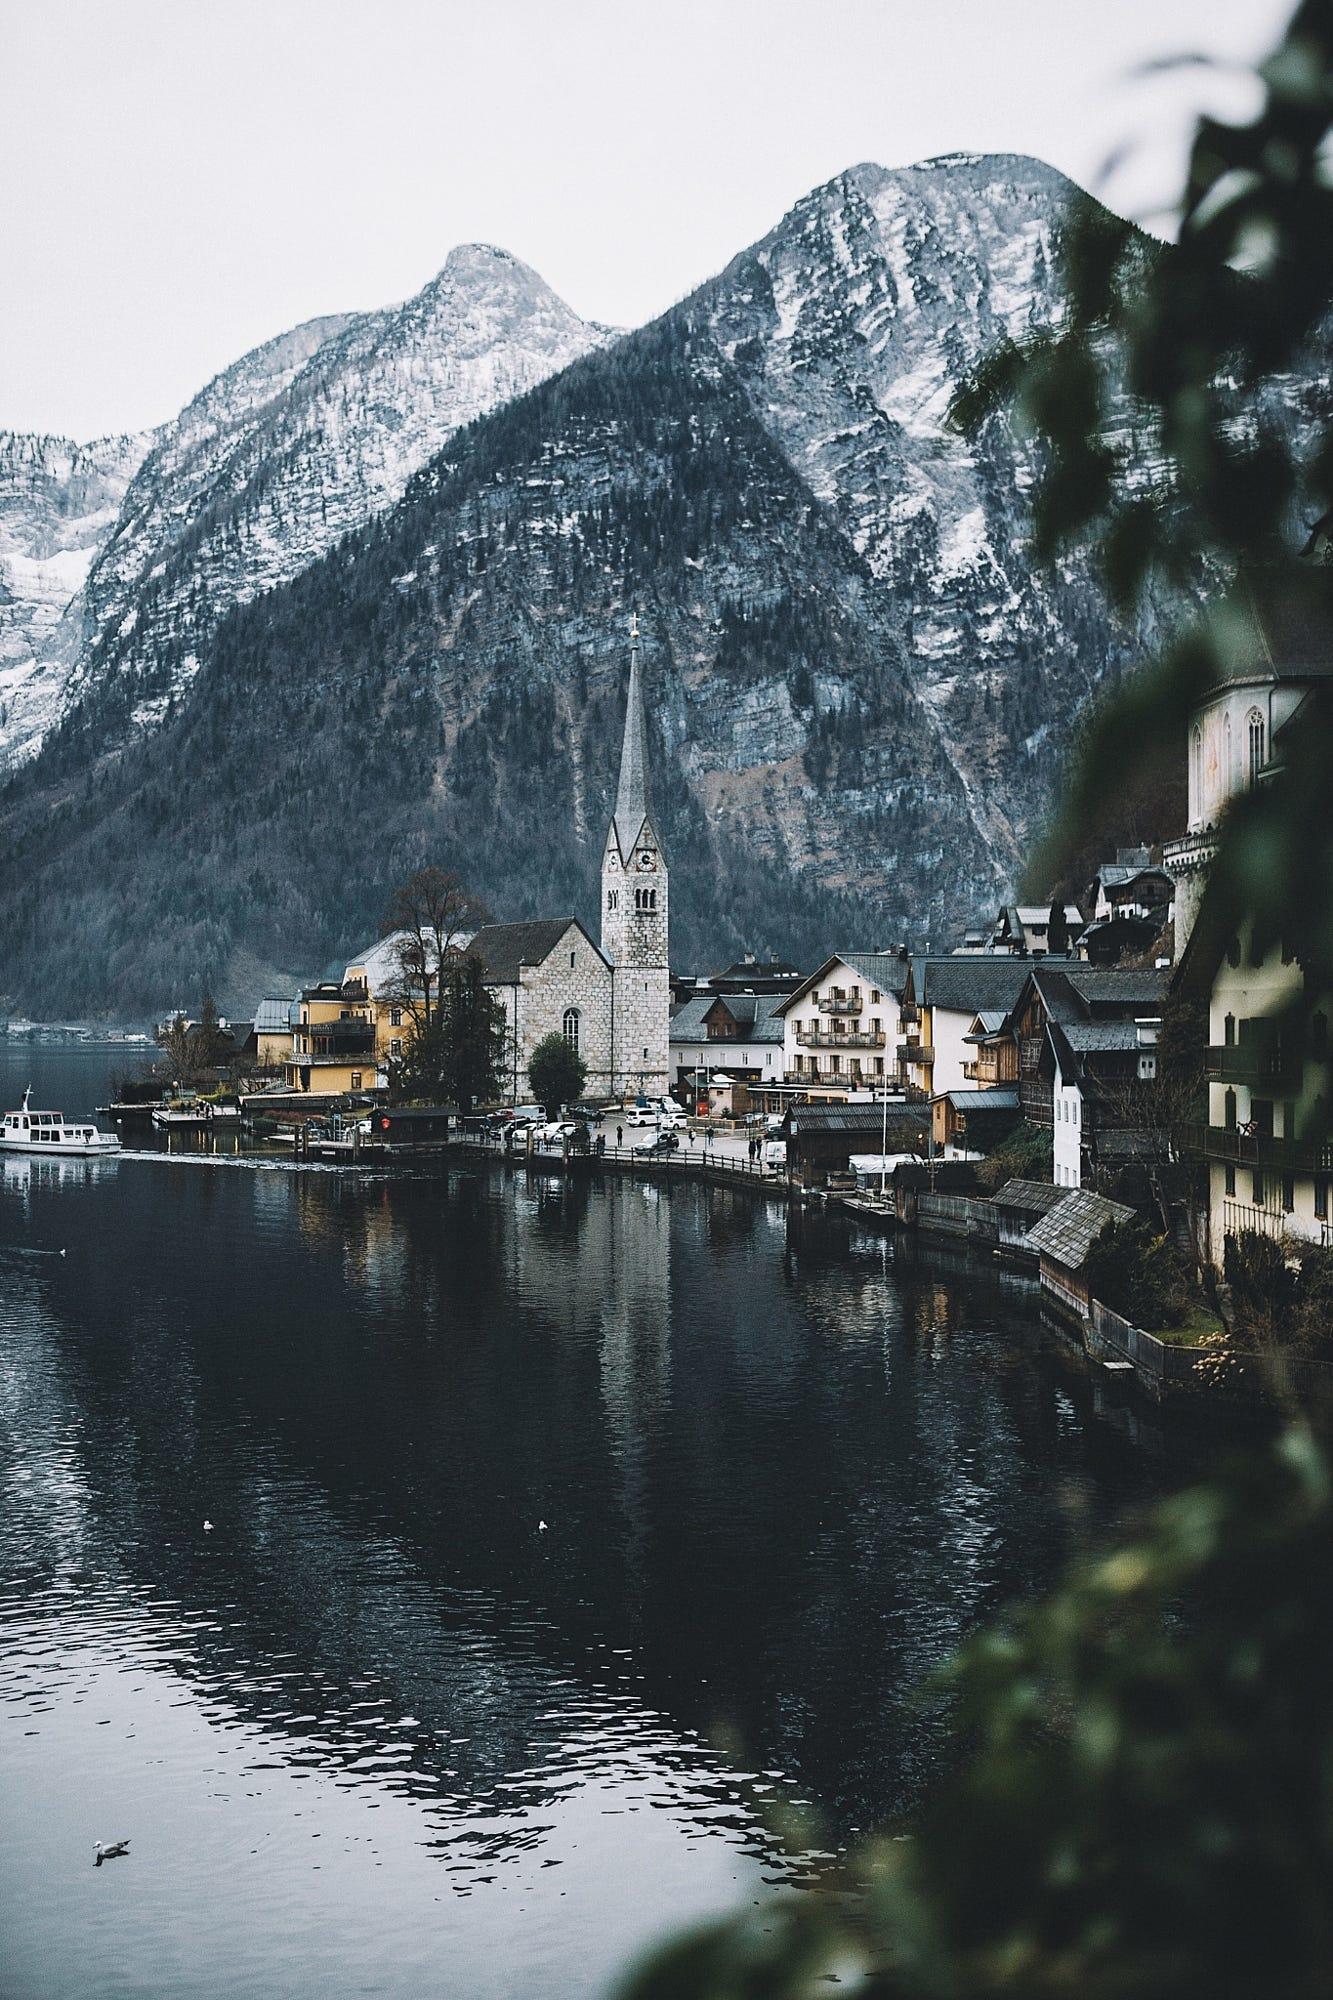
(775, 1156)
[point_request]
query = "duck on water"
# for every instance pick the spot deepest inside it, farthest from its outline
(29, 1131)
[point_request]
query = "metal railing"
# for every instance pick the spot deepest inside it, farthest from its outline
(1244, 1147)
(839, 1003)
(853, 1038)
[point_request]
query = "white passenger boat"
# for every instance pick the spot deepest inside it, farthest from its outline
(51, 1132)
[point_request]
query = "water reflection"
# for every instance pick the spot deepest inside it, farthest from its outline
(782, 1470)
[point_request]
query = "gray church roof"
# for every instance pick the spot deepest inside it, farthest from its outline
(504, 948)
(632, 793)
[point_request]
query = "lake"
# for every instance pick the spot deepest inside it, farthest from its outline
(445, 1579)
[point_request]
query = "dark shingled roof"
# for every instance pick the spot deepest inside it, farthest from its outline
(753, 1013)
(862, 1118)
(885, 969)
(972, 985)
(1127, 983)
(1069, 1230)
(503, 948)
(1002, 1098)
(1034, 1197)
(1096, 1037)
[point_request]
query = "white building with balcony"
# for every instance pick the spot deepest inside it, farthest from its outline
(841, 1027)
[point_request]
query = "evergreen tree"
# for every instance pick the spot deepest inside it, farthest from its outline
(470, 1032)
(557, 1073)
(1057, 929)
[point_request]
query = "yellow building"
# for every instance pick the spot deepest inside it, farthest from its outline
(274, 1019)
(333, 1045)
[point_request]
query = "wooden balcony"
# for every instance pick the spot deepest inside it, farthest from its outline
(839, 1003)
(1254, 1062)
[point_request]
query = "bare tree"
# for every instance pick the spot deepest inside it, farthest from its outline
(430, 918)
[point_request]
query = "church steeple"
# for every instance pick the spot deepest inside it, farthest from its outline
(632, 792)
(635, 890)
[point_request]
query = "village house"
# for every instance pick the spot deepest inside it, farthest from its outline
(1062, 1238)
(1263, 1174)
(973, 1121)
(1087, 1043)
(941, 1004)
(1024, 928)
(842, 1025)
(1133, 885)
(1266, 1173)
(274, 1020)
(740, 1034)
(332, 1047)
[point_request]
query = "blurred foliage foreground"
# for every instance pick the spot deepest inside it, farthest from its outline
(1143, 1798)
(1144, 1803)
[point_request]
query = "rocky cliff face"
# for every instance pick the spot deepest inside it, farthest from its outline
(862, 687)
(299, 442)
(59, 502)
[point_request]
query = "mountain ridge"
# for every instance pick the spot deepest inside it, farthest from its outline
(862, 688)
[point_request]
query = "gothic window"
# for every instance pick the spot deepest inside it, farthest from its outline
(645, 899)
(569, 1027)
(1196, 771)
(1227, 774)
(571, 961)
(1256, 734)
(613, 899)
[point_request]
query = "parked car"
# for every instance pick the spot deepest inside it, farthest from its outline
(642, 1114)
(665, 1142)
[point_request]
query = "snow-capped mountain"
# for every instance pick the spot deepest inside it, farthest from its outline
(862, 686)
(59, 502)
(298, 442)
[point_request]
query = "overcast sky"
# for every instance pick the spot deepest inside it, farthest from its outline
(182, 179)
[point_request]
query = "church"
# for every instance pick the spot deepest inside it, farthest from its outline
(611, 1001)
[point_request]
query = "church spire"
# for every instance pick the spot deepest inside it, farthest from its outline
(632, 794)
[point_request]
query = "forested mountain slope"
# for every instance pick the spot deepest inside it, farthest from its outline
(862, 687)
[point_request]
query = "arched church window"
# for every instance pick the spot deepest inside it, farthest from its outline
(645, 899)
(1196, 772)
(1256, 733)
(613, 899)
(1228, 773)
(569, 1027)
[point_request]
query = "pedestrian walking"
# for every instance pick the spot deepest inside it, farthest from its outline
(620, 1137)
